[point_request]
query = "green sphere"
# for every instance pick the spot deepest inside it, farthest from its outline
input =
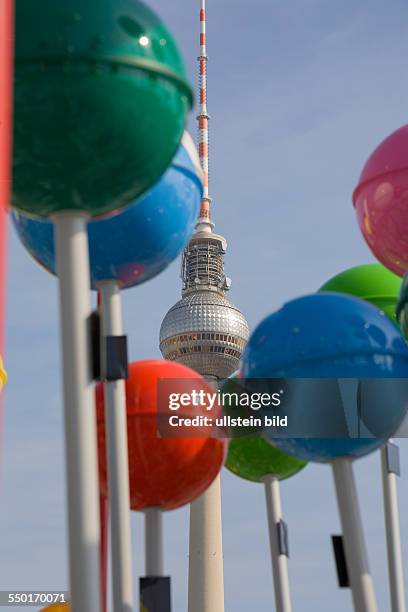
(253, 458)
(100, 103)
(373, 283)
(250, 456)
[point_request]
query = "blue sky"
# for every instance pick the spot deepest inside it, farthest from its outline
(300, 93)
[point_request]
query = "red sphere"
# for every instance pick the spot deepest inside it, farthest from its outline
(164, 473)
(381, 202)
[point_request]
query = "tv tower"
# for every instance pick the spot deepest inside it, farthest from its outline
(206, 332)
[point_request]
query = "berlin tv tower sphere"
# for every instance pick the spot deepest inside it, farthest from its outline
(139, 242)
(164, 473)
(205, 332)
(326, 338)
(381, 201)
(100, 101)
(372, 282)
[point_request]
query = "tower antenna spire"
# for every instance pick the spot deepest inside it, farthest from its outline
(204, 222)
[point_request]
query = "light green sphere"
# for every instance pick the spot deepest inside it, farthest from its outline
(253, 458)
(372, 282)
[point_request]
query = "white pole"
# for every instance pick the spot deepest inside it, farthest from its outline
(206, 571)
(79, 407)
(117, 455)
(153, 542)
(361, 582)
(393, 536)
(279, 560)
(206, 563)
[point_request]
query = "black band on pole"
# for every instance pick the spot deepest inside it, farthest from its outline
(95, 333)
(341, 564)
(116, 358)
(393, 459)
(155, 594)
(283, 538)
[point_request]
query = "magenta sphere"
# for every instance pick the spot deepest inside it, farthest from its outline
(381, 202)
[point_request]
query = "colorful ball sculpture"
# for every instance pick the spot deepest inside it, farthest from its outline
(138, 243)
(372, 283)
(253, 458)
(326, 337)
(164, 473)
(3, 375)
(100, 102)
(381, 201)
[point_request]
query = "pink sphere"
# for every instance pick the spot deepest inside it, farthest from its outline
(381, 202)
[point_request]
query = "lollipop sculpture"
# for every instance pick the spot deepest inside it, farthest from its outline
(165, 473)
(109, 83)
(253, 458)
(380, 287)
(324, 338)
(137, 244)
(381, 199)
(100, 100)
(125, 250)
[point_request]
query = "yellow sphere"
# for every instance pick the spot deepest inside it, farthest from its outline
(59, 607)
(3, 374)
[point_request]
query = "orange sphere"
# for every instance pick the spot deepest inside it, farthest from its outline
(164, 473)
(59, 607)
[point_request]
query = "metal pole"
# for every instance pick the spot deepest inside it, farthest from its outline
(355, 550)
(206, 571)
(393, 535)
(79, 407)
(279, 560)
(153, 542)
(104, 520)
(206, 563)
(118, 463)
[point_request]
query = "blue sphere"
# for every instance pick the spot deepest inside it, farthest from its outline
(139, 242)
(345, 346)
